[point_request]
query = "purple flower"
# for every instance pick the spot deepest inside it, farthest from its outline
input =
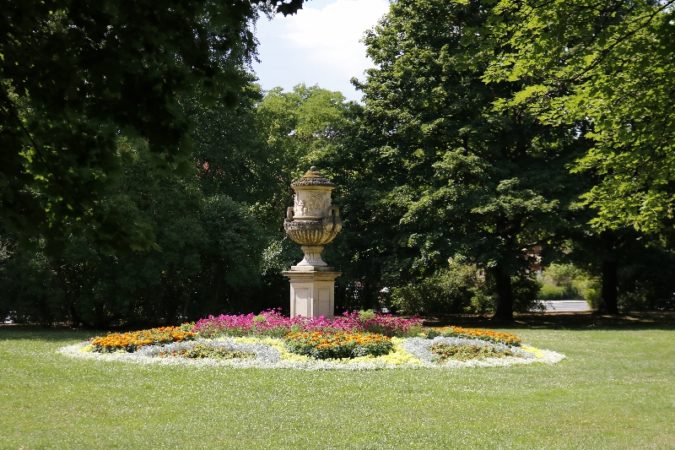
(272, 323)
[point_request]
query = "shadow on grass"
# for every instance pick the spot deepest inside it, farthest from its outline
(551, 321)
(565, 321)
(54, 334)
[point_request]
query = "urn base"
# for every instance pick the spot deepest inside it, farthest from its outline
(312, 292)
(312, 257)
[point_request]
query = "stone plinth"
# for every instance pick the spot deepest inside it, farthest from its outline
(312, 291)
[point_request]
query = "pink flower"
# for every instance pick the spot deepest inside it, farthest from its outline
(272, 322)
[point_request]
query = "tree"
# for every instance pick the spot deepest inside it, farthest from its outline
(299, 128)
(453, 175)
(206, 256)
(74, 76)
(609, 64)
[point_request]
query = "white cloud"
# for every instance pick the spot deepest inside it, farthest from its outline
(319, 45)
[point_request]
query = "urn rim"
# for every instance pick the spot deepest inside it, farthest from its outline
(313, 178)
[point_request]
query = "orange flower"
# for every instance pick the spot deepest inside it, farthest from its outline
(496, 336)
(132, 341)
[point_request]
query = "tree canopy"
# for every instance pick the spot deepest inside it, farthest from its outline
(75, 76)
(456, 176)
(144, 175)
(608, 64)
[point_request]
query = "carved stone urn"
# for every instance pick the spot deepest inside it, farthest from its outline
(312, 222)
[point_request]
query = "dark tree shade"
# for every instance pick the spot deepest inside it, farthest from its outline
(76, 75)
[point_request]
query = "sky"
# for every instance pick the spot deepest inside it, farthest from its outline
(318, 45)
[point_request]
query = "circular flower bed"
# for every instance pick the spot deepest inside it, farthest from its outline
(354, 341)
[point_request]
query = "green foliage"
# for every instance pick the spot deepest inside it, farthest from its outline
(646, 280)
(552, 292)
(301, 127)
(525, 288)
(207, 238)
(439, 167)
(589, 290)
(205, 257)
(450, 290)
(76, 76)
(465, 352)
(366, 315)
(607, 64)
(199, 351)
(567, 281)
(30, 292)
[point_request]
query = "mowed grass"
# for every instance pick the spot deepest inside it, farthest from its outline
(615, 390)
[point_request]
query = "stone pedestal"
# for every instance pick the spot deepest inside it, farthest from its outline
(312, 222)
(312, 291)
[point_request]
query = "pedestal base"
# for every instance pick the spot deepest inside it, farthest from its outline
(312, 292)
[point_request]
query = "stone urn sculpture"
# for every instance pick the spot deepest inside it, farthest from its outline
(312, 222)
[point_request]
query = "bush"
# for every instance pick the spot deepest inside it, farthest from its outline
(30, 291)
(525, 289)
(646, 280)
(552, 292)
(588, 289)
(456, 289)
(646, 297)
(567, 281)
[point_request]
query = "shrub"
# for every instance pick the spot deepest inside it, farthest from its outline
(449, 290)
(525, 289)
(552, 292)
(589, 289)
(340, 344)
(366, 315)
(567, 281)
(646, 280)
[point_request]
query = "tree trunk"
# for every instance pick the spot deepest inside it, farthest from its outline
(609, 292)
(69, 297)
(504, 309)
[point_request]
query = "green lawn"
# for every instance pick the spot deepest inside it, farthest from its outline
(615, 390)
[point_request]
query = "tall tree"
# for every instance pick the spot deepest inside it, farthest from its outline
(75, 75)
(452, 174)
(206, 256)
(609, 63)
(299, 128)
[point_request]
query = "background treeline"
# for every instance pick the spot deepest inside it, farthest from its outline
(493, 138)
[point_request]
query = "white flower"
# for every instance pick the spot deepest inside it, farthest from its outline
(271, 353)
